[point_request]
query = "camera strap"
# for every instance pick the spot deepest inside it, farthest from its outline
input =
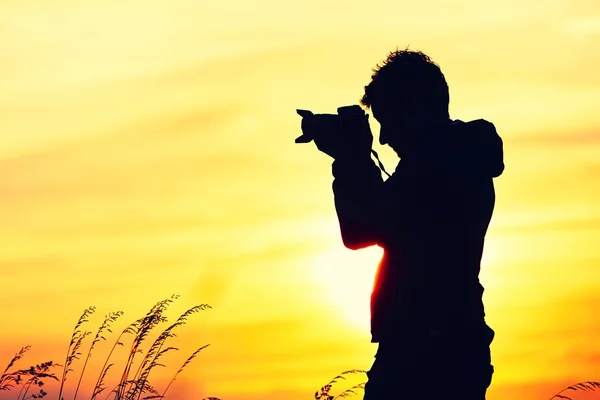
(380, 163)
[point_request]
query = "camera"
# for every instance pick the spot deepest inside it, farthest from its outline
(314, 125)
(350, 120)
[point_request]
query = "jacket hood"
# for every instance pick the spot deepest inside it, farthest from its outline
(476, 147)
(463, 148)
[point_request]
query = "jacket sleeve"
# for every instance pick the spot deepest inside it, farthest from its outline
(358, 195)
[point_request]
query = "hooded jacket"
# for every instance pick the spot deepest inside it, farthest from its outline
(430, 217)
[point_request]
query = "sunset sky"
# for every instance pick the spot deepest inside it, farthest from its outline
(147, 149)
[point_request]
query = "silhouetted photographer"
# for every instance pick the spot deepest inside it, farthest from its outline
(430, 217)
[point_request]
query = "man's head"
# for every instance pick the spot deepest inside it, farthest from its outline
(407, 93)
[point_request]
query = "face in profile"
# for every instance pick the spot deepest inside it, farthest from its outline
(396, 127)
(403, 123)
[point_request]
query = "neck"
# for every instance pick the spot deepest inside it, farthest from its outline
(419, 136)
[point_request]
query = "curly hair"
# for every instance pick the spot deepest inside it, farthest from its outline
(407, 76)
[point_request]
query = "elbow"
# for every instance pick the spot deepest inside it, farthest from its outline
(353, 245)
(358, 232)
(356, 242)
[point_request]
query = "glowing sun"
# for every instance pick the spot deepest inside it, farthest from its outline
(346, 279)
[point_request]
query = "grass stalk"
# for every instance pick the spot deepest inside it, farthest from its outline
(581, 386)
(105, 326)
(142, 329)
(156, 351)
(76, 340)
(185, 364)
(8, 380)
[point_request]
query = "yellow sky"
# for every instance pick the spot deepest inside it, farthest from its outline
(147, 149)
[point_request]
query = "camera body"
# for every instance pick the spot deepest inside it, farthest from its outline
(314, 125)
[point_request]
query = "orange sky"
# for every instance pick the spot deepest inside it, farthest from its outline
(147, 149)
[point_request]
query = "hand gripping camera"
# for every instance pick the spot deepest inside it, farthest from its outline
(314, 125)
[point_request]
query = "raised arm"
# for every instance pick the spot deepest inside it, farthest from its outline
(358, 195)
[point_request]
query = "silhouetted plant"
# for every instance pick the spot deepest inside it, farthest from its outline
(36, 374)
(156, 351)
(32, 376)
(325, 392)
(190, 358)
(581, 386)
(141, 328)
(128, 387)
(108, 319)
(73, 349)
(9, 379)
(134, 387)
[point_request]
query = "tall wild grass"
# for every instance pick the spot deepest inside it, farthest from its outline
(133, 382)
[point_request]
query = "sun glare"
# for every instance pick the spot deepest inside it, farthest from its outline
(346, 279)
